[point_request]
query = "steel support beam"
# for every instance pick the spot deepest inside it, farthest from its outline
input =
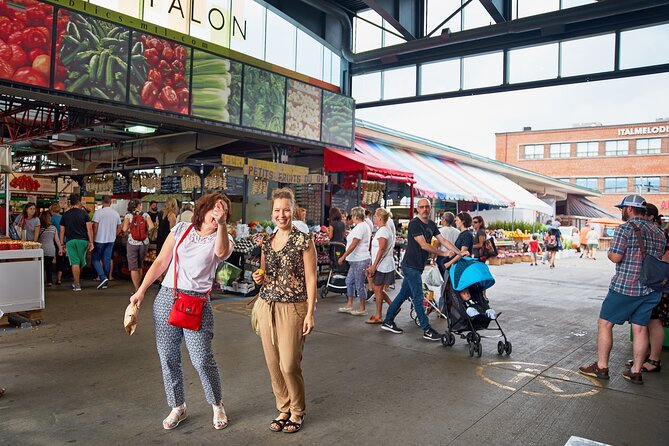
(388, 17)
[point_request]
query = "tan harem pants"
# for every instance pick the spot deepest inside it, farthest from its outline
(282, 341)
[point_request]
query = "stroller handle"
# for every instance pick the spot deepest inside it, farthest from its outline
(337, 244)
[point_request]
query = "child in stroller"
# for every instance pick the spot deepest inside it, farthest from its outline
(467, 307)
(337, 277)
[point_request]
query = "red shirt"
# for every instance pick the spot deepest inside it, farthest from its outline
(534, 246)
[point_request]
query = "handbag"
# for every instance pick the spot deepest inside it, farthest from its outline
(654, 273)
(254, 314)
(187, 310)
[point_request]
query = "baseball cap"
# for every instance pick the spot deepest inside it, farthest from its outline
(635, 201)
(652, 210)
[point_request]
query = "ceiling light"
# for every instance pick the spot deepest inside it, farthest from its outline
(75, 169)
(141, 129)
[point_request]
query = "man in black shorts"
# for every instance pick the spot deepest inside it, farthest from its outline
(421, 230)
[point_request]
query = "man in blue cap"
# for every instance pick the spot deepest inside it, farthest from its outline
(628, 299)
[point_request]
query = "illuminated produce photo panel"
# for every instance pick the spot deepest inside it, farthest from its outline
(216, 88)
(264, 100)
(303, 110)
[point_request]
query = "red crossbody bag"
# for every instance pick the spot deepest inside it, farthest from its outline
(187, 310)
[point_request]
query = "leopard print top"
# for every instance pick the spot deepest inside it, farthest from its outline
(284, 269)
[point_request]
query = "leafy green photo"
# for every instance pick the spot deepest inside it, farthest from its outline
(264, 100)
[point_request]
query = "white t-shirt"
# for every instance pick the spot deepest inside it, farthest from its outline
(592, 236)
(108, 220)
(361, 252)
(387, 263)
(131, 240)
(300, 226)
(185, 216)
(370, 223)
(449, 233)
(197, 260)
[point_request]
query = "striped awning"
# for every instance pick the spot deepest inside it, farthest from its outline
(448, 180)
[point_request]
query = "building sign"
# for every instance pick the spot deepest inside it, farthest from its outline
(282, 173)
(634, 131)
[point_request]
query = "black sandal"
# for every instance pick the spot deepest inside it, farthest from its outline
(279, 422)
(297, 426)
(656, 364)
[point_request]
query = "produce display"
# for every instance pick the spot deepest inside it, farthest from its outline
(303, 110)
(189, 179)
(100, 183)
(264, 100)
(337, 119)
(145, 180)
(158, 74)
(8, 245)
(94, 54)
(216, 88)
(25, 41)
(25, 182)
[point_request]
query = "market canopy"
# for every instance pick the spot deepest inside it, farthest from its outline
(583, 207)
(369, 167)
(440, 178)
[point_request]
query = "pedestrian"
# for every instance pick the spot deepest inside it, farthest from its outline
(450, 233)
(106, 226)
(659, 317)
(552, 242)
(592, 243)
(77, 230)
(381, 272)
(55, 210)
(49, 239)
(628, 299)
(479, 236)
(300, 220)
(285, 309)
(186, 213)
(201, 246)
(27, 223)
(420, 233)
(583, 241)
(153, 212)
(368, 220)
(137, 226)
(167, 218)
(534, 249)
(358, 257)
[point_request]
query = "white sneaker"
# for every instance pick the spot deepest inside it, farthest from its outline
(345, 309)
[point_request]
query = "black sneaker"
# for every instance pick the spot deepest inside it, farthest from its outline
(391, 327)
(431, 335)
(103, 284)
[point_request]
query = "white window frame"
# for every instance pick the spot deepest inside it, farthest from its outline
(596, 180)
(646, 146)
(587, 149)
(560, 150)
(617, 147)
(617, 189)
(537, 151)
(641, 184)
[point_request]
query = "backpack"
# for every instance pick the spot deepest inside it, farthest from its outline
(489, 249)
(552, 240)
(138, 229)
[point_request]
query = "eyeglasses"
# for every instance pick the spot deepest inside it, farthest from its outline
(427, 206)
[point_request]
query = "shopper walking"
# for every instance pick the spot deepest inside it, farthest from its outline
(552, 242)
(450, 233)
(186, 213)
(534, 249)
(167, 218)
(200, 247)
(479, 236)
(583, 241)
(381, 272)
(421, 231)
(628, 299)
(27, 224)
(55, 209)
(76, 228)
(592, 243)
(153, 212)
(286, 309)
(358, 257)
(106, 226)
(137, 226)
(49, 239)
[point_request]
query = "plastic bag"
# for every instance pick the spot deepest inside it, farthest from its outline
(226, 273)
(432, 277)
(130, 318)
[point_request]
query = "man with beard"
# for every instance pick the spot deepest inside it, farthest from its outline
(628, 299)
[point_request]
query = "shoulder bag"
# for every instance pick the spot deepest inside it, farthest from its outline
(187, 310)
(654, 272)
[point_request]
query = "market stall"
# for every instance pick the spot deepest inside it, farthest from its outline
(22, 278)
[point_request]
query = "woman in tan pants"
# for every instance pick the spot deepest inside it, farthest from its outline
(286, 309)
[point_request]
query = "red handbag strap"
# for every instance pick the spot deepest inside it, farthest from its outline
(176, 257)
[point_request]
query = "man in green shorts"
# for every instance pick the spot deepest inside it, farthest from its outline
(76, 227)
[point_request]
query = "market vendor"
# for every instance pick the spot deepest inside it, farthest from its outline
(27, 224)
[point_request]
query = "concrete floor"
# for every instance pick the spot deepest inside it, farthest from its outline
(78, 378)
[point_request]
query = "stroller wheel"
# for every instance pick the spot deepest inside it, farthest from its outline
(500, 347)
(476, 338)
(444, 339)
(507, 348)
(324, 291)
(471, 349)
(451, 339)
(479, 349)
(414, 316)
(469, 337)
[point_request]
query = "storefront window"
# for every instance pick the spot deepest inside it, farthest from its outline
(590, 183)
(587, 148)
(562, 150)
(533, 151)
(648, 146)
(612, 185)
(646, 184)
(617, 148)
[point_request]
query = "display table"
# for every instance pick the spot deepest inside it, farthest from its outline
(22, 278)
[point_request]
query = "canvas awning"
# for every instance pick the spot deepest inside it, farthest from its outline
(370, 168)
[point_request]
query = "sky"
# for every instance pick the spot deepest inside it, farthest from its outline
(470, 122)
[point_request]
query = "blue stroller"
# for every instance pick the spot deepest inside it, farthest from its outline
(467, 308)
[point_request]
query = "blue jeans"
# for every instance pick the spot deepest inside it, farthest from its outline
(412, 287)
(102, 251)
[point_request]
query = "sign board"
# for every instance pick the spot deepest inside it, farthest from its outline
(283, 177)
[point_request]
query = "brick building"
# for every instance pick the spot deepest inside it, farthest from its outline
(615, 159)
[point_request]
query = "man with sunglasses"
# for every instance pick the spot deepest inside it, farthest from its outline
(421, 231)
